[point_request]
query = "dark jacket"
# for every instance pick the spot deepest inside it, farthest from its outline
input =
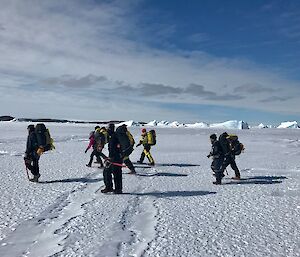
(32, 144)
(216, 150)
(114, 149)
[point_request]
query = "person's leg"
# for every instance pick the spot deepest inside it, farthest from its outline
(148, 154)
(117, 171)
(217, 163)
(107, 177)
(142, 157)
(35, 170)
(236, 169)
(129, 164)
(98, 156)
(91, 158)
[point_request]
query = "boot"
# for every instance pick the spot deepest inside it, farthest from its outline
(132, 172)
(107, 190)
(119, 191)
(35, 178)
(88, 165)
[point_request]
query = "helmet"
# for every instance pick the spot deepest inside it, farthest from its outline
(143, 130)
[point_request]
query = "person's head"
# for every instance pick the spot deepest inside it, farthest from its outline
(103, 128)
(97, 127)
(144, 131)
(213, 137)
(30, 128)
(111, 128)
(125, 127)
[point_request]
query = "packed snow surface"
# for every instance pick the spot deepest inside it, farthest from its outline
(172, 209)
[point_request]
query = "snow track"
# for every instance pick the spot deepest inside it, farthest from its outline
(172, 209)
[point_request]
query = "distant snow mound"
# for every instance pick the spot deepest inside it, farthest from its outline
(152, 123)
(231, 124)
(262, 126)
(156, 123)
(288, 124)
(129, 123)
(198, 125)
(176, 124)
(163, 123)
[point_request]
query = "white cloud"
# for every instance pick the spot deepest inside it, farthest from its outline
(48, 45)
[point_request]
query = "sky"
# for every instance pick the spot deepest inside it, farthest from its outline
(208, 60)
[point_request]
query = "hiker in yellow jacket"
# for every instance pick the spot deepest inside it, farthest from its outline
(147, 147)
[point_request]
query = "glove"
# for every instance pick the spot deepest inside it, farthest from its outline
(208, 156)
(85, 150)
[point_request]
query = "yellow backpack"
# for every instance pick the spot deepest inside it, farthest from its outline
(131, 139)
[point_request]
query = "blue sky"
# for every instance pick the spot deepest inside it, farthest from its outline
(142, 60)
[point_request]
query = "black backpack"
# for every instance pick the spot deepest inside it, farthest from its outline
(43, 137)
(124, 140)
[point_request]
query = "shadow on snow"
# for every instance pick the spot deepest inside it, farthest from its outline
(162, 174)
(172, 165)
(263, 180)
(71, 180)
(173, 193)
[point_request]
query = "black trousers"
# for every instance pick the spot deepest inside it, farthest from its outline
(216, 167)
(230, 160)
(128, 163)
(98, 158)
(33, 166)
(116, 171)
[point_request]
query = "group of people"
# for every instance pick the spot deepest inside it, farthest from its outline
(223, 153)
(120, 146)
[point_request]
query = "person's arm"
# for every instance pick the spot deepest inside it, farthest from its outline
(92, 141)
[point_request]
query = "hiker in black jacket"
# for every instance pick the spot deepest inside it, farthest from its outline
(113, 165)
(31, 157)
(229, 156)
(218, 158)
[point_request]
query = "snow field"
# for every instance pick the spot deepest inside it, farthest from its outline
(172, 209)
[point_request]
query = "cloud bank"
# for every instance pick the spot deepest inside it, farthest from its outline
(86, 59)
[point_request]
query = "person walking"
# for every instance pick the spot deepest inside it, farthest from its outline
(229, 155)
(147, 147)
(113, 165)
(96, 142)
(218, 157)
(31, 157)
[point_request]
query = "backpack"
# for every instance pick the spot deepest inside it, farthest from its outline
(151, 137)
(105, 136)
(99, 140)
(131, 139)
(43, 137)
(124, 140)
(235, 145)
(224, 143)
